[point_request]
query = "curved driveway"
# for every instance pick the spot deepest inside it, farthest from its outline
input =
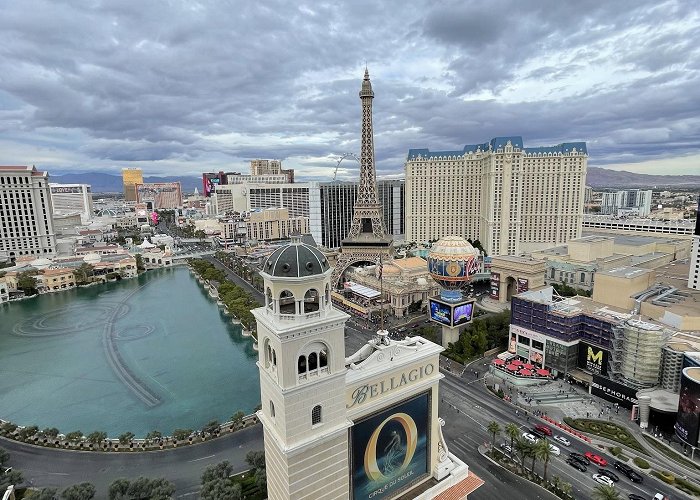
(48, 467)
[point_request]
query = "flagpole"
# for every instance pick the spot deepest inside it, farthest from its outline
(381, 294)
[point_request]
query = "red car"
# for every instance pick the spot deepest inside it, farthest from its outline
(543, 429)
(596, 459)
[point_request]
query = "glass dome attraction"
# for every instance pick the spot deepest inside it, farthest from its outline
(452, 261)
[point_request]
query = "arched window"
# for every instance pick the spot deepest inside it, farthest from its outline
(301, 365)
(322, 359)
(268, 298)
(313, 361)
(311, 300)
(287, 305)
(274, 358)
(328, 295)
(316, 415)
(268, 353)
(551, 273)
(272, 409)
(583, 277)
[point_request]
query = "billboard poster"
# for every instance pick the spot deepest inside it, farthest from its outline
(67, 190)
(522, 285)
(442, 313)
(613, 391)
(593, 359)
(512, 344)
(688, 419)
(390, 450)
(462, 313)
(495, 285)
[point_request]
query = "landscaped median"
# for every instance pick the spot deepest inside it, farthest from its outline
(607, 430)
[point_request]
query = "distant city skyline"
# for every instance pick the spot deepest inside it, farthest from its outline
(184, 88)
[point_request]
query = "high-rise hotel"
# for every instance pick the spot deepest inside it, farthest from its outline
(26, 223)
(511, 198)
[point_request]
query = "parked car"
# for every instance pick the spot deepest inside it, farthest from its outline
(576, 464)
(660, 496)
(529, 438)
(634, 496)
(596, 459)
(609, 473)
(554, 450)
(562, 440)
(603, 479)
(543, 429)
(579, 458)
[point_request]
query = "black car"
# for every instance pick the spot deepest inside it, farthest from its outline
(576, 464)
(634, 496)
(609, 473)
(579, 458)
(622, 467)
(635, 477)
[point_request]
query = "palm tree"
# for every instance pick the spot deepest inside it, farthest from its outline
(494, 429)
(605, 492)
(512, 432)
(522, 448)
(566, 489)
(532, 453)
(543, 453)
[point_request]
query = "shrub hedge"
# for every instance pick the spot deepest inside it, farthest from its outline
(641, 463)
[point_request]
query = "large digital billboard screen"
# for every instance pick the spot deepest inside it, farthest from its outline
(462, 313)
(688, 418)
(390, 450)
(442, 313)
(593, 359)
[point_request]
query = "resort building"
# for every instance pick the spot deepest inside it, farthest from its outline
(609, 223)
(274, 224)
(159, 195)
(55, 280)
(628, 202)
(511, 198)
(694, 267)
(71, 199)
(130, 178)
(26, 213)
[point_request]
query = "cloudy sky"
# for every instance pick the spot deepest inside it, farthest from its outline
(181, 87)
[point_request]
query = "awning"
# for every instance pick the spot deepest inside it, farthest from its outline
(506, 355)
(512, 368)
(528, 366)
(525, 372)
(581, 376)
(364, 291)
(543, 372)
(516, 362)
(499, 362)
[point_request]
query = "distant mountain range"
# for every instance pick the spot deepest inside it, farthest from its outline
(597, 178)
(606, 178)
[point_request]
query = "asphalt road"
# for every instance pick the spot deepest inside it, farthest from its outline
(468, 407)
(47, 467)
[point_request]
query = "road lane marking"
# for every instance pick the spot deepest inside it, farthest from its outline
(203, 458)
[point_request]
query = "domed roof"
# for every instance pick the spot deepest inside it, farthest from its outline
(451, 247)
(296, 260)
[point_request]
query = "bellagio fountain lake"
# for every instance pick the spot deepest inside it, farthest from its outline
(149, 353)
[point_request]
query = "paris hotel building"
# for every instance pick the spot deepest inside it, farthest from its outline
(511, 198)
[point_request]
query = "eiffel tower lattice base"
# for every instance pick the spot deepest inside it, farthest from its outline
(350, 255)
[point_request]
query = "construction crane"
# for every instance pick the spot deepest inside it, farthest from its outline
(345, 156)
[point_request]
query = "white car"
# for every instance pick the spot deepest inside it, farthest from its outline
(529, 438)
(562, 440)
(603, 479)
(554, 450)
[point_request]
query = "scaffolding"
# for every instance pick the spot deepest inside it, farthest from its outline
(636, 353)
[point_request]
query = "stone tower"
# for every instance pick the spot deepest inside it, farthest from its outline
(367, 240)
(302, 377)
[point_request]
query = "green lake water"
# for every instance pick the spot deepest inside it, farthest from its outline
(150, 353)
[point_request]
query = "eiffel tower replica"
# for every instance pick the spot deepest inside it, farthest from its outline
(368, 240)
